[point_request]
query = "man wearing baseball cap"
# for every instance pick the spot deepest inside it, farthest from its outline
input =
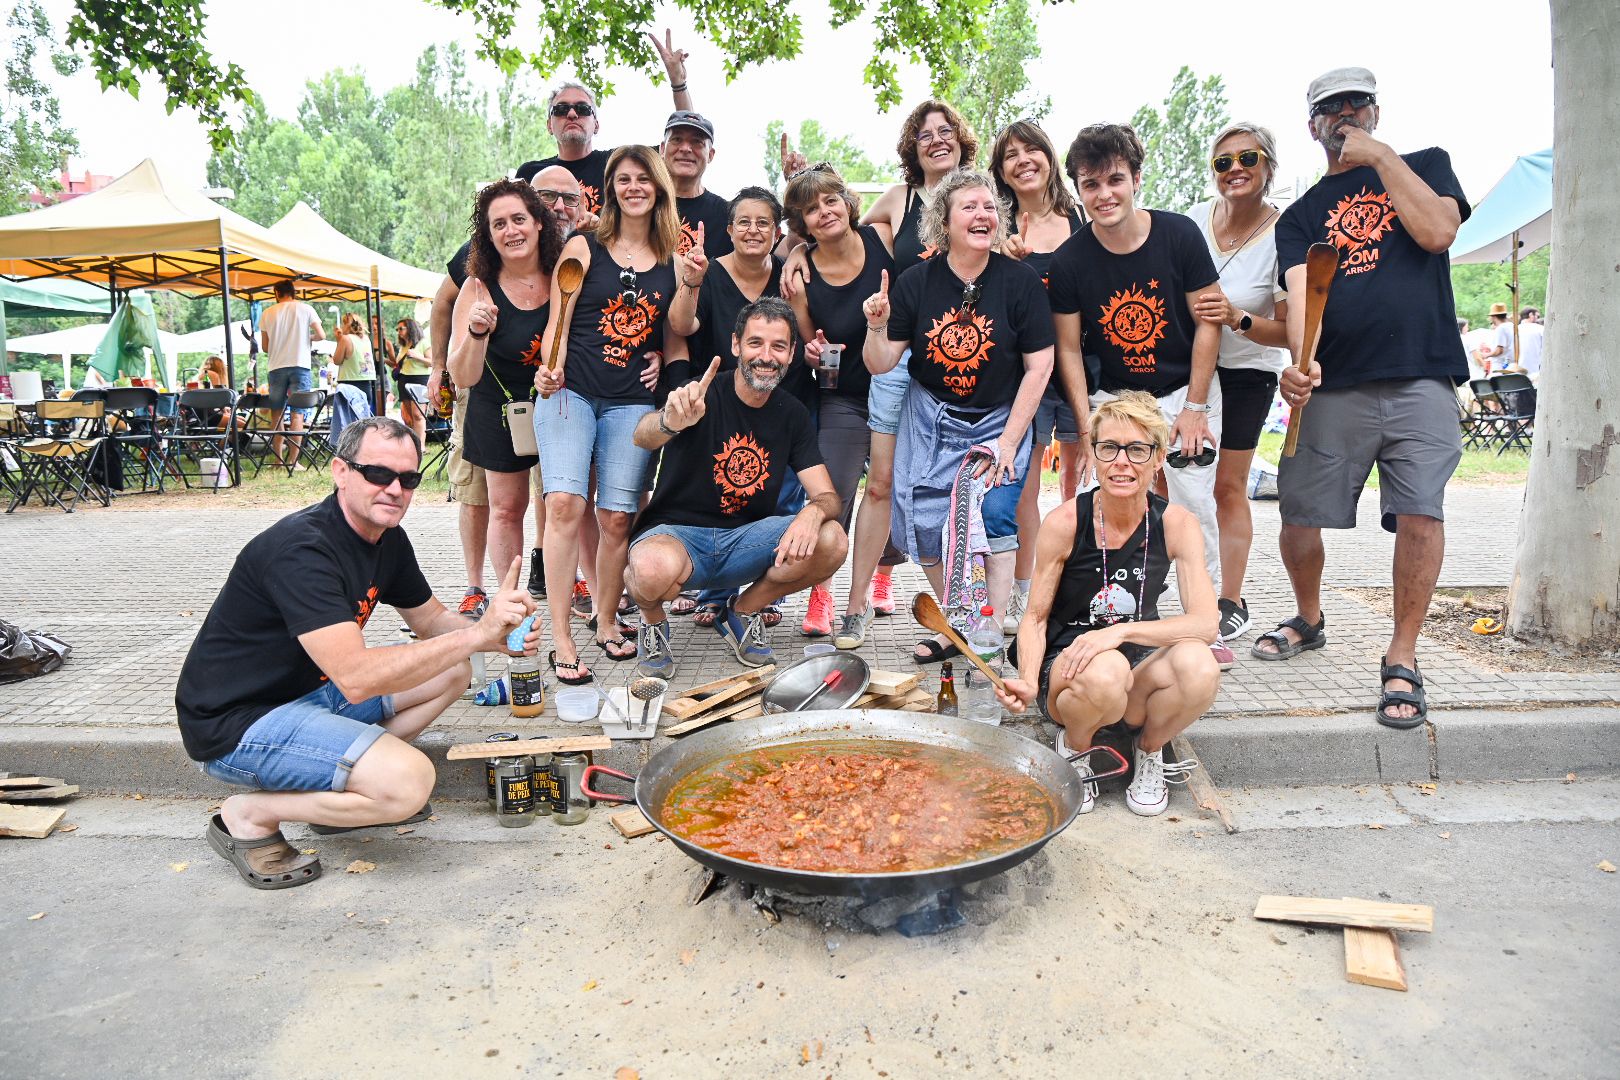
(1381, 388)
(688, 147)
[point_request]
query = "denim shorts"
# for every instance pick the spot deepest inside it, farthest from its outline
(726, 558)
(1054, 417)
(571, 430)
(306, 745)
(883, 398)
(282, 381)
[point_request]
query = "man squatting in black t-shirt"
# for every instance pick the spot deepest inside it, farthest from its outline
(280, 692)
(712, 521)
(1387, 363)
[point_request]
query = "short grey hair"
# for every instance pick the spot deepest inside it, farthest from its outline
(348, 444)
(569, 84)
(932, 228)
(1263, 136)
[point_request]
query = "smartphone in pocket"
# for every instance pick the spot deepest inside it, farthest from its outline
(520, 422)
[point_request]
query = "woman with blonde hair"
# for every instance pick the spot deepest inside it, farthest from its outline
(1092, 649)
(353, 357)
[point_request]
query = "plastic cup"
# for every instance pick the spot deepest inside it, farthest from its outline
(820, 648)
(832, 357)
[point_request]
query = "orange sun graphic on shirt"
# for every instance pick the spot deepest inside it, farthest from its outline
(959, 341)
(1133, 320)
(531, 354)
(628, 325)
(1360, 219)
(740, 470)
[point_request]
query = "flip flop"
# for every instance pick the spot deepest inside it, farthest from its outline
(772, 614)
(706, 614)
(934, 652)
(1416, 697)
(333, 830)
(1310, 637)
(578, 678)
(266, 863)
(683, 605)
(626, 651)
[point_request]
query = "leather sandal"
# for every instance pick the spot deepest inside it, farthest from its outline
(1310, 637)
(266, 863)
(1415, 697)
(706, 614)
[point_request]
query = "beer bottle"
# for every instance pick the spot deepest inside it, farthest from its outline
(945, 704)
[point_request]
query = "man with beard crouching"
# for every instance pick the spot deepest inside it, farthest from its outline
(712, 522)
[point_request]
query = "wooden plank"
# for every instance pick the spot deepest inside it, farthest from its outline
(1373, 958)
(30, 781)
(1366, 913)
(721, 684)
(892, 683)
(31, 822)
(716, 715)
(31, 794)
(684, 708)
(631, 823)
(474, 750)
(1199, 784)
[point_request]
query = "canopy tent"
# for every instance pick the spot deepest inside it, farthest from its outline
(303, 228)
(31, 299)
(77, 341)
(1520, 202)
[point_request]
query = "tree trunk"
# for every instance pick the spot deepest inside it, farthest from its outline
(1566, 583)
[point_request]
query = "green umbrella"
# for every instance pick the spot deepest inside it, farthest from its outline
(133, 330)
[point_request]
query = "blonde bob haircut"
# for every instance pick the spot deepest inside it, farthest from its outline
(1263, 136)
(805, 189)
(1133, 407)
(351, 324)
(665, 233)
(934, 230)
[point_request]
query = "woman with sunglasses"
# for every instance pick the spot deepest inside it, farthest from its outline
(1044, 215)
(612, 342)
(980, 336)
(495, 333)
(1092, 649)
(1238, 225)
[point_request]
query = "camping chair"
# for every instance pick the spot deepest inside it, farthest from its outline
(1487, 428)
(132, 424)
(438, 430)
(12, 431)
(63, 457)
(312, 402)
(201, 433)
(1518, 397)
(254, 423)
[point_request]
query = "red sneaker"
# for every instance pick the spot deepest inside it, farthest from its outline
(581, 605)
(882, 594)
(818, 619)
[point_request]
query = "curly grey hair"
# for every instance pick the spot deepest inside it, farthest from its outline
(1268, 146)
(936, 214)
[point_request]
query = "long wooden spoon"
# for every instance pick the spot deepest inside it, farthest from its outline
(928, 615)
(1321, 263)
(570, 274)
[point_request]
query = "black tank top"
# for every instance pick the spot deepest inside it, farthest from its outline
(836, 311)
(614, 326)
(512, 352)
(1041, 261)
(908, 245)
(1084, 601)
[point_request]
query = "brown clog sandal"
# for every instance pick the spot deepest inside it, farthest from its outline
(333, 830)
(267, 863)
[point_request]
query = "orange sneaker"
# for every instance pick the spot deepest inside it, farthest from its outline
(882, 594)
(818, 619)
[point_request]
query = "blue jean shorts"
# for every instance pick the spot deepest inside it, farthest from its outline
(306, 745)
(283, 381)
(726, 558)
(883, 398)
(572, 430)
(1054, 417)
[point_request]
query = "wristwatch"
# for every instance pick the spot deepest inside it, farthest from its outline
(1245, 323)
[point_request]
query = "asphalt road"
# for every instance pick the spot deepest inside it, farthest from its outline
(474, 951)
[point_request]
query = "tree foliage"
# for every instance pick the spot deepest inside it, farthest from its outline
(1479, 285)
(817, 144)
(33, 140)
(1175, 173)
(990, 85)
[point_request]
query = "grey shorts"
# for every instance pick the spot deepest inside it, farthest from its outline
(1407, 427)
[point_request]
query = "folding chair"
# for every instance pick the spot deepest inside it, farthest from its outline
(201, 431)
(437, 430)
(254, 425)
(12, 431)
(1487, 428)
(63, 457)
(132, 425)
(1518, 397)
(312, 402)
(318, 447)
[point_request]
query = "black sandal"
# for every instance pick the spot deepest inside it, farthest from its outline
(627, 651)
(1310, 637)
(1416, 697)
(576, 679)
(266, 863)
(934, 652)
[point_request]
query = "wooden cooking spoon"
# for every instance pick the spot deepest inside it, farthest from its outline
(570, 274)
(1321, 263)
(926, 611)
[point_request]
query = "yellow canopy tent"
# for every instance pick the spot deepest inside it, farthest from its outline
(303, 228)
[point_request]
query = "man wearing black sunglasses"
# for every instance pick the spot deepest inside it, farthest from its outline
(281, 693)
(1382, 385)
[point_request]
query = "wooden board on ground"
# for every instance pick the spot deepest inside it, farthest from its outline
(1373, 958)
(892, 683)
(1199, 784)
(687, 706)
(45, 793)
(720, 684)
(30, 782)
(1366, 913)
(474, 750)
(715, 716)
(631, 823)
(30, 822)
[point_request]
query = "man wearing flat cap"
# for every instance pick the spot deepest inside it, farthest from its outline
(1382, 387)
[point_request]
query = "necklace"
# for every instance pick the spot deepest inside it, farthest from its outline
(1252, 234)
(1102, 543)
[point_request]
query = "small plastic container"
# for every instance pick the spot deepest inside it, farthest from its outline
(576, 706)
(820, 648)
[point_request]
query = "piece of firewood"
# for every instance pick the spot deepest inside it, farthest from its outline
(30, 782)
(1200, 785)
(720, 684)
(631, 823)
(470, 751)
(1367, 913)
(734, 709)
(31, 822)
(686, 707)
(894, 683)
(32, 794)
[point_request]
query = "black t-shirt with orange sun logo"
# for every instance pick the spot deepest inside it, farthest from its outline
(1133, 308)
(613, 328)
(511, 356)
(714, 214)
(727, 469)
(970, 356)
(590, 171)
(1390, 314)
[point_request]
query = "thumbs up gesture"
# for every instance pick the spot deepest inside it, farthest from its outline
(686, 405)
(876, 306)
(481, 316)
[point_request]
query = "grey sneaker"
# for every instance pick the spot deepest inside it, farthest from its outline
(1088, 789)
(1015, 611)
(852, 629)
(653, 645)
(746, 635)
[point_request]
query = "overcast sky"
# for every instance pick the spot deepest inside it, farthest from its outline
(1472, 76)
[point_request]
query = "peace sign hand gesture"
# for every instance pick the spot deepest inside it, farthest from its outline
(876, 306)
(686, 404)
(674, 59)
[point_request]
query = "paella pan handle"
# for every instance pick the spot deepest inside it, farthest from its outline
(603, 796)
(1124, 766)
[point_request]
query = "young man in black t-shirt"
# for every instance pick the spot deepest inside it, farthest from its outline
(280, 692)
(712, 522)
(1383, 382)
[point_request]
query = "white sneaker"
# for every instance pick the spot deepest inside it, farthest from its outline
(1149, 793)
(1016, 603)
(1088, 790)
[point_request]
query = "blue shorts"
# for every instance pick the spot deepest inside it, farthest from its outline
(1054, 417)
(725, 558)
(283, 381)
(571, 430)
(306, 745)
(884, 396)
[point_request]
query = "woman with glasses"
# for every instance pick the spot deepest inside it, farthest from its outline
(1044, 215)
(980, 336)
(495, 333)
(352, 355)
(1092, 649)
(611, 344)
(1238, 225)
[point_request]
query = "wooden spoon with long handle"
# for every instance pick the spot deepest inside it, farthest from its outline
(926, 611)
(1321, 263)
(570, 274)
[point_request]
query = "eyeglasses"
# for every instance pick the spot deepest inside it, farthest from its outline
(1137, 453)
(1180, 460)
(970, 296)
(1247, 158)
(381, 475)
(578, 108)
(1335, 105)
(551, 198)
(627, 281)
(748, 225)
(927, 138)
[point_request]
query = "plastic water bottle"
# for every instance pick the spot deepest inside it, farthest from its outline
(978, 695)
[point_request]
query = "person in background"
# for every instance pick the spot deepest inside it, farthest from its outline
(212, 373)
(412, 368)
(1249, 307)
(1532, 342)
(1499, 356)
(353, 357)
(286, 329)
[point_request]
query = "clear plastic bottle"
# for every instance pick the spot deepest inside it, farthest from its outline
(978, 695)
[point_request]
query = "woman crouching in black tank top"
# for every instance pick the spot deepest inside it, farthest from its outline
(1092, 648)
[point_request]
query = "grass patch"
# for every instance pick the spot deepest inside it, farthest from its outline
(1477, 467)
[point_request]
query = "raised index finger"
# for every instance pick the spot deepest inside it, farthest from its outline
(884, 288)
(512, 575)
(784, 146)
(708, 376)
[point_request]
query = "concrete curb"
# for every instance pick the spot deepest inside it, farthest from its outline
(1247, 750)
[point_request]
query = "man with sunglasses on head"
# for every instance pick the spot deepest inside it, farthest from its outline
(281, 693)
(1382, 385)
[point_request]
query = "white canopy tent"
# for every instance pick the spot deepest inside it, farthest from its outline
(75, 341)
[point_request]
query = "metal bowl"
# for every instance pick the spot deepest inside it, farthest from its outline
(796, 682)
